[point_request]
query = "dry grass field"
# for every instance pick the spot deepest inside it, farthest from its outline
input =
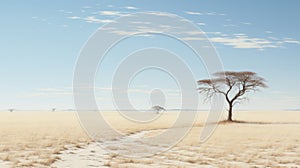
(41, 139)
(30, 139)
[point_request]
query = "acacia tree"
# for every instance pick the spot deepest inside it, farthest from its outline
(158, 109)
(232, 85)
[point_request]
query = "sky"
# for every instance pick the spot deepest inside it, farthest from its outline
(40, 42)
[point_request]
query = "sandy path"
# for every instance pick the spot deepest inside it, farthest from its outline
(270, 145)
(4, 164)
(99, 155)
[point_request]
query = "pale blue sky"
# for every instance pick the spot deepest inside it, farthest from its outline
(40, 42)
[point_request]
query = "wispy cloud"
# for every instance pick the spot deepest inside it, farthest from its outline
(291, 41)
(167, 92)
(244, 42)
(93, 19)
(144, 91)
(204, 13)
(246, 23)
(105, 89)
(201, 24)
(112, 13)
(73, 17)
(230, 25)
(235, 40)
(65, 12)
(162, 14)
(51, 92)
(193, 13)
(130, 7)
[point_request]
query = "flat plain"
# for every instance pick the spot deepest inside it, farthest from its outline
(56, 139)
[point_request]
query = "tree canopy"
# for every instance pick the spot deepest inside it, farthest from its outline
(232, 85)
(158, 108)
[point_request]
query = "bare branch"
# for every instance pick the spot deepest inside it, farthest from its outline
(233, 85)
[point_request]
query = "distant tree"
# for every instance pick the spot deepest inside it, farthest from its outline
(158, 109)
(53, 109)
(232, 85)
(11, 110)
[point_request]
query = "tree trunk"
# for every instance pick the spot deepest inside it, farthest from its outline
(229, 112)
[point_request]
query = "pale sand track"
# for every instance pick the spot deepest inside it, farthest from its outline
(270, 145)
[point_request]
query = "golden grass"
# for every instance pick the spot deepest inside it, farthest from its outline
(34, 139)
(31, 139)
